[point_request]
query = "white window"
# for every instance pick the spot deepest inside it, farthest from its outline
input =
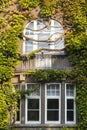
(70, 109)
(33, 104)
(37, 34)
(52, 103)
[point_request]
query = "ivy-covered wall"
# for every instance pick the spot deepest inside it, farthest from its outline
(13, 15)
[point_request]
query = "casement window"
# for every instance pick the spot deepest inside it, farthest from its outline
(33, 104)
(43, 34)
(52, 103)
(70, 107)
(18, 113)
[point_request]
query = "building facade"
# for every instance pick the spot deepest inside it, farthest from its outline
(50, 105)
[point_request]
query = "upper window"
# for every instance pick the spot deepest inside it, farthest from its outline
(43, 34)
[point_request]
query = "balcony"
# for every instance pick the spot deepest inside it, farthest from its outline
(59, 62)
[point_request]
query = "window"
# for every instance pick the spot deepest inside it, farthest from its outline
(70, 111)
(43, 34)
(58, 104)
(33, 104)
(52, 103)
(18, 113)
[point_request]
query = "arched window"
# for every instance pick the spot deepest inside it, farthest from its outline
(43, 34)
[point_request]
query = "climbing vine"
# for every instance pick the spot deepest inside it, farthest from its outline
(75, 20)
(12, 20)
(48, 8)
(43, 76)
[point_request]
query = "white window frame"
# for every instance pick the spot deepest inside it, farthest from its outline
(70, 97)
(32, 97)
(35, 44)
(52, 97)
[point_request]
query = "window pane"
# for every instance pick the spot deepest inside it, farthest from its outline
(28, 46)
(52, 104)
(34, 89)
(70, 116)
(52, 115)
(43, 45)
(70, 104)
(33, 116)
(53, 90)
(70, 109)
(18, 111)
(33, 103)
(31, 25)
(70, 90)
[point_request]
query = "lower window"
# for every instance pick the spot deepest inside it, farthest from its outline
(70, 110)
(18, 112)
(33, 103)
(52, 106)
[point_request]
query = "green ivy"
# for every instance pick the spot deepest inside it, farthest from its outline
(47, 11)
(75, 19)
(11, 26)
(29, 4)
(48, 75)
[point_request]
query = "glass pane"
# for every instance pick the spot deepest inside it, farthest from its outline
(31, 25)
(18, 111)
(43, 45)
(27, 32)
(34, 89)
(28, 46)
(70, 116)
(52, 104)
(53, 90)
(33, 116)
(18, 116)
(40, 24)
(70, 90)
(52, 115)
(70, 104)
(33, 103)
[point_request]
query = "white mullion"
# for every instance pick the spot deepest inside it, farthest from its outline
(35, 46)
(51, 33)
(24, 45)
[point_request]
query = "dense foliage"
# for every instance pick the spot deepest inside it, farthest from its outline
(12, 18)
(44, 76)
(75, 20)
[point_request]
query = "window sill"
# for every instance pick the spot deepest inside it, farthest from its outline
(44, 125)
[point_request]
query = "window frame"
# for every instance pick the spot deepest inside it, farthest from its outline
(35, 44)
(52, 97)
(26, 101)
(74, 110)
